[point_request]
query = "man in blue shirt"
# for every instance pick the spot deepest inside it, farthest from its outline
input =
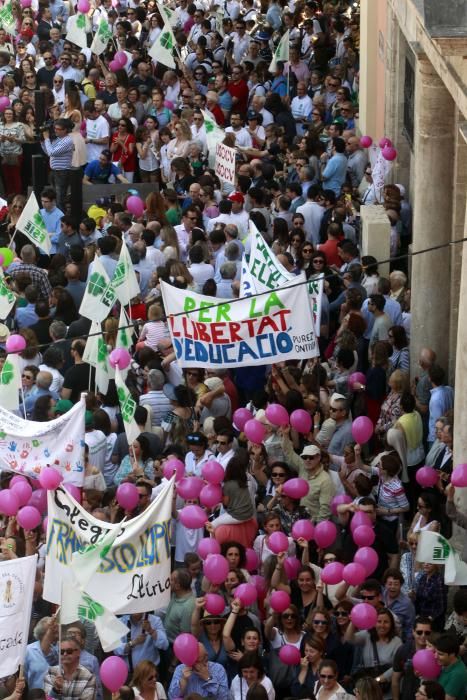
(441, 401)
(146, 637)
(42, 653)
(335, 170)
(60, 151)
(100, 170)
(26, 316)
(207, 678)
(51, 215)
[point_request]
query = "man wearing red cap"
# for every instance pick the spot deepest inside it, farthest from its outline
(239, 217)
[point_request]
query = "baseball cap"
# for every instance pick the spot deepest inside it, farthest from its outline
(310, 451)
(236, 197)
(251, 114)
(262, 36)
(63, 406)
(213, 383)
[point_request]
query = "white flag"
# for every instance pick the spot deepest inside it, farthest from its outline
(124, 280)
(17, 578)
(127, 408)
(95, 354)
(125, 332)
(7, 20)
(7, 298)
(163, 48)
(99, 296)
(77, 26)
(282, 52)
(32, 224)
(214, 135)
(101, 37)
(10, 383)
(167, 14)
(433, 548)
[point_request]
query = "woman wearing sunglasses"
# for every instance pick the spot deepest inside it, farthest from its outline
(208, 629)
(307, 673)
(327, 686)
(145, 684)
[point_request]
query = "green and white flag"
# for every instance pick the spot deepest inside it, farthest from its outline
(214, 135)
(433, 548)
(167, 14)
(77, 26)
(96, 354)
(99, 296)
(32, 224)
(282, 52)
(7, 20)
(124, 280)
(7, 298)
(10, 383)
(127, 408)
(102, 37)
(125, 334)
(163, 48)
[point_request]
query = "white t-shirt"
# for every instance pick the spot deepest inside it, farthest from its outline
(239, 688)
(96, 129)
(201, 272)
(97, 444)
(242, 137)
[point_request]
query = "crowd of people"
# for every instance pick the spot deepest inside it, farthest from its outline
(301, 177)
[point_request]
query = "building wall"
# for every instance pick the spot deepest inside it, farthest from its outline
(373, 53)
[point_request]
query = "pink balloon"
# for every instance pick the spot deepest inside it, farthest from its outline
(135, 206)
(277, 414)
(354, 574)
(366, 141)
(384, 142)
(368, 558)
(28, 517)
(114, 673)
(363, 536)
(292, 566)
(26, 3)
(246, 593)
(9, 503)
(186, 649)
(193, 517)
(216, 568)
(260, 584)
(120, 357)
(426, 664)
(241, 416)
(389, 153)
(207, 546)
(169, 104)
(214, 603)
(358, 519)
(254, 431)
(296, 488)
(213, 472)
(364, 616)
(50, 478)
(289, 655)
(190, 487)
(426, 476)
(303, 528)
(356, 378)
(23, 490)
(325, 534)
(278, 542)
(251, 560)
(121, 58)
(338, 500)
(39, 500)
(15, 343)
(127, 496)
(210, 495)
(74, 491)
(300, 420)
(459, 476)
(83, 6)
(4, 103)
(18, 479)
(174, 466)
(362, 429)
(333, 573)
(279, 601)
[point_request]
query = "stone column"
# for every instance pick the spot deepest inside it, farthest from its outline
(368, 58)
(433, 177)
(376, 235)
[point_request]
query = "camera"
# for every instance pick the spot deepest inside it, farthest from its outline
(48, 126)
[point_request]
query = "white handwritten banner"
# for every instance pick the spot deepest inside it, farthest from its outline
(315, 293)
(27, 446)
(134, 575)
(225, 163)
(17, 578)
(260, 330)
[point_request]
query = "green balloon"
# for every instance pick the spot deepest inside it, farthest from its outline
(7, 255)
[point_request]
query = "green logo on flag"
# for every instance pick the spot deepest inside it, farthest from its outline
(127, 405)
(104, 32)
(119, 274)
(97, 284)
(89, 609)
(5, 291)
(8, 372)
(209, 126)
(166, 41)
(81, 21)
(102, 352)
(442, 551)
(35, 228)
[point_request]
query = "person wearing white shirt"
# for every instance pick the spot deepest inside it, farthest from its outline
(198, 455)
(183, 230)
(241, 41)
(312, 212)
(171, 86)
(239, 216)
(242, 137)
(301, 108)
(199, 270)
(66, 70)
(97, 132)
(225, 447)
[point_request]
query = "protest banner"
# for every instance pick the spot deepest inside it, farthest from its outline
(17, 577)
(134, 572)
(260, 330)
(27, 446)
(225, 163)
(315, 289)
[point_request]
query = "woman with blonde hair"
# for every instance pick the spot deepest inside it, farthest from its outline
(155, 208)
(72, 105)
(145, 684)
(170, 246)
(368, 688)
(110, 332)
(391, 409)
(179, 269)
(179, 147)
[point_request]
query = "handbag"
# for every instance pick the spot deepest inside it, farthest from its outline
(374, 671)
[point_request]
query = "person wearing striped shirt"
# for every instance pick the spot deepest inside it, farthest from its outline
(60, 152)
